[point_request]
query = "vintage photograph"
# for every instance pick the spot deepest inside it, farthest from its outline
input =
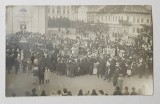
(79, 50)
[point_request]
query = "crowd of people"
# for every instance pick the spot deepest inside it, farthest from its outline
(41, 54)
(65, 92)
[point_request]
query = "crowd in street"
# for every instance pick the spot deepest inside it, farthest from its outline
(41, 54)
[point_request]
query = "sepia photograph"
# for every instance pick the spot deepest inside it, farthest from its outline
(79, 50)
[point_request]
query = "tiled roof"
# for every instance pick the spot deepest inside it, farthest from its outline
(125, 9)
(95, 7)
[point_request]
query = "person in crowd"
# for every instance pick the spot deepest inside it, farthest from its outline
(59, 93)
(53, 93)
(69, 93)
(68, 68)
(41, 76)
(58, 66)
(101, 92)
(95, 69)
(117, 91)
(133, 91)
(87, 93)
(24, 65)
(94, 93)
(81, 67)
(32, 58)
(47, 74)
(72, 69)
(19, 59)
(65, 92)
(80, 93)
(27, 93)
(43, 93)
(99, 69)
(8, 63)
(103, 67)
(11, 61)
(34, 92)
(115, 77)
(129, 71)
(35, 74)
(141, 68)
(29, 67)
(120, 81)
(16, 65)
(86, 66)
(36, 62)
(111, 71)
(107, 70)
(134, 68)
(22, 55)
(123, 66)
(126, 92)
(47, 61)
(63, 68)
(106, 94)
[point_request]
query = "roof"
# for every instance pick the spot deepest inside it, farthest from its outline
(125, 9)
(94, 8)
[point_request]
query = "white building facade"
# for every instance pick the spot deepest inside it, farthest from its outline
(122, 20)
(70, 12)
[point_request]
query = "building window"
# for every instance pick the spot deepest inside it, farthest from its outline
(106, 18)
(109, 18)
(53, 10)
(127, 18)
(113, 35)
(134, 19)
(48, 10)
(116, 18)
(121, 17)
(137, 31)
(137, 20)
(113, 18)
(147, 20)
(133, 30)
(142, 20)
(63, 10)
(58, 9)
